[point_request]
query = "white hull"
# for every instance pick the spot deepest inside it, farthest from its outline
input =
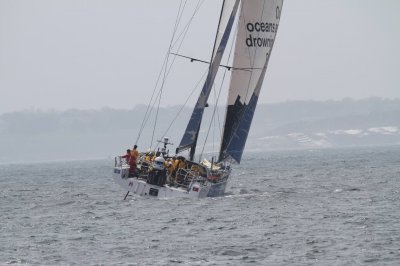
(142, 188)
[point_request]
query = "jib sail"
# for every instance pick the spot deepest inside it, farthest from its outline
(227, 18)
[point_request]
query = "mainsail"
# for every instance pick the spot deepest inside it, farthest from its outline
(227, 18)
(258, 24)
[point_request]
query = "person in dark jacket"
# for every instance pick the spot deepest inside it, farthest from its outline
(158, 173)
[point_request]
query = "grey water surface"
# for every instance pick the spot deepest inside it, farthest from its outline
(322, 207)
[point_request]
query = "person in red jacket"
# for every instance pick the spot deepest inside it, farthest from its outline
(131, 160)
(127, 156)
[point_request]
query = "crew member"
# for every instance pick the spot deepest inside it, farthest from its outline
(158, 173)
(127, 156)
(180, 164)
(135, 153)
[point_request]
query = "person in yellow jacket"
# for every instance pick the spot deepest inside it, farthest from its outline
(147, 158)
(175, 163)
(135, 153)
(180, 163)
(169, 167)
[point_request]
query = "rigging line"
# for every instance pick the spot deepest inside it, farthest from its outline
(216, 104)
(171, 65)
(165, 76)
(165, 65)
(184, 33)
(217, 112)
(198, 5)
(218, 118)
(155, 121)
(214, 120)
(183, 105)
(213, 115)
(225, 66)
(147, 114)
(176, 25)
(214, 111)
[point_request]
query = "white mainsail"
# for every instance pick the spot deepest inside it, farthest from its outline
(258, 24)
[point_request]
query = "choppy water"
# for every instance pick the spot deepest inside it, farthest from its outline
(331, 207)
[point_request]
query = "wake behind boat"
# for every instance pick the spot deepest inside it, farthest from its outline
(159, 174)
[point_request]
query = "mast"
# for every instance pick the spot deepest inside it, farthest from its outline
(193, 146)
(227, 17)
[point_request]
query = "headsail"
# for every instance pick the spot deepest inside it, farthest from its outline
(227, 18)
(258, 24)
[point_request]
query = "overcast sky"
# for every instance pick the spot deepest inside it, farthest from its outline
(91, 54)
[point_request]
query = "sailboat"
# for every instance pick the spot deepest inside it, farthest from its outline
(257, 25)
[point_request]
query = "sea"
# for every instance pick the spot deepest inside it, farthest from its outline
(310, 207)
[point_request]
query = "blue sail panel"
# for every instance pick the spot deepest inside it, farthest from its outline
(238, 140)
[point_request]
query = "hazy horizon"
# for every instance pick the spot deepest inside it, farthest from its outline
(59, 55)
(139, 105)
(293, 125)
